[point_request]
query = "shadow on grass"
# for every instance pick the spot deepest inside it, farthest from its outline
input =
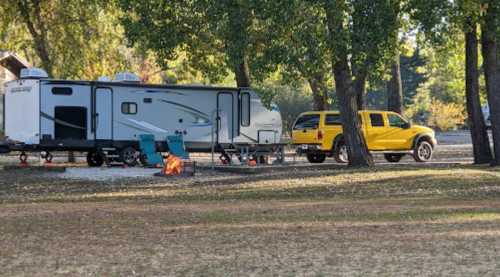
(412, 182)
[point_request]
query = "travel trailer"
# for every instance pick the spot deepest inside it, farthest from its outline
(108, 116)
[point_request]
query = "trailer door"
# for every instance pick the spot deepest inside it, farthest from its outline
(104, 114)
(225, 117)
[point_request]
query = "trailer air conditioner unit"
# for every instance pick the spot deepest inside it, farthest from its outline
(127, 77)
(104, 79)
(33, 73)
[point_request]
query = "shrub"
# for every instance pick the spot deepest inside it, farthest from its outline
(445, 116)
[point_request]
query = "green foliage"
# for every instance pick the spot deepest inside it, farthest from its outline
(81, 38)
(291, 101)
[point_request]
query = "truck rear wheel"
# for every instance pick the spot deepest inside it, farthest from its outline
(316, 158)
(94, 159)
(393, 158)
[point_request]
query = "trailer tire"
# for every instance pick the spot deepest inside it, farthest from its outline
(48, 157)
(94, 159)
(23, 158)
(129, 156)
(143, 159)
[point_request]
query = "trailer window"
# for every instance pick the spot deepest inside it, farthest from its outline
(245, 109)
(129, 108)
(62, 91)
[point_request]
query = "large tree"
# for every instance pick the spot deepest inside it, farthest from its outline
(490, 49)
(441, 22)
(218, 36)
(296, 46)
(479, 134)
(375, 27)
(68, 39)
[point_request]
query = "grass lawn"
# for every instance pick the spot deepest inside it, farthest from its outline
(389, 221)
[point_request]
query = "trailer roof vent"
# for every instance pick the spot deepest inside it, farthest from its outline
(36, 73)
(104, 79)
(127, 77)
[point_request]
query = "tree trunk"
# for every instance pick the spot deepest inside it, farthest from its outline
(37, 30)
(360, 88)
(480, 140)
(395, 87)
(338, 43)
(320, 93)
(492, 73)
(242, 74)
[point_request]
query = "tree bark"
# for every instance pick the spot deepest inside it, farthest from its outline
(320, 93)
(360, 87)
(351, 127)
(479, 134)
(492, 74)
(32, 17)
(395, 86)
(242, 74)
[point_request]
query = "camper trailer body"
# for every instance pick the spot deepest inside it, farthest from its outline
(48, 115)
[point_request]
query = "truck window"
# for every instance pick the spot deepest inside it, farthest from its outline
(307, 121)
(377, 120)
(333, 120)
(396, 121)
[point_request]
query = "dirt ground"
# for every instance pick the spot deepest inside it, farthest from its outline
(394, 220)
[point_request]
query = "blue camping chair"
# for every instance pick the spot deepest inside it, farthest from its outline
(176, 147)
(148, 149)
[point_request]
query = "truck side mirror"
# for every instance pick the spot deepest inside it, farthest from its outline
(406, 125)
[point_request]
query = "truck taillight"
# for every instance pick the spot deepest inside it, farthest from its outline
(320, 134)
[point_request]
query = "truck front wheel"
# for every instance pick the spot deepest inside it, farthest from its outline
(340, 153)
(423, 151)
(316, 158)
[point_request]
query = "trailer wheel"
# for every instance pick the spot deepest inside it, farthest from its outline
(94, 159)
(48, 157)
(23, 158)
(143, 159)
(129, 156)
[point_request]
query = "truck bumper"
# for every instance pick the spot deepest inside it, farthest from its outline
(308, 148)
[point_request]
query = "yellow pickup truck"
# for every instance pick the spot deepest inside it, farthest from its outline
(319, 134)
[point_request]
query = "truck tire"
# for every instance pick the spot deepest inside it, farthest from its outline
(129, 155)
(316, 158)
(393, 158)
(340, 153)
(423, 151)
(94, 159)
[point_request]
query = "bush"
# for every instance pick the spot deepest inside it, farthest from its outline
(445, 116)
